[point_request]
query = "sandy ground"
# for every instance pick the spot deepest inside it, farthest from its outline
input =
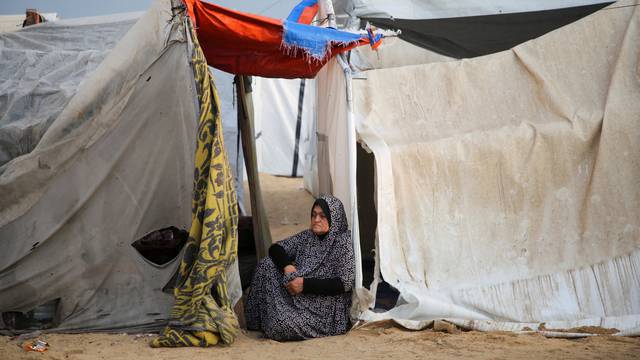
(287, 205)
(373, 343)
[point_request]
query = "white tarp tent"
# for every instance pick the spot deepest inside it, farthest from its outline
(507, 186)
(331, 151)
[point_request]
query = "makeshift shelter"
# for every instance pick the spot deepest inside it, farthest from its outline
(103, 155)
(101, 119)
(98, 127)
(505, 186)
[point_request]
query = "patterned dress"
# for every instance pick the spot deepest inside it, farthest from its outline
(281, 316)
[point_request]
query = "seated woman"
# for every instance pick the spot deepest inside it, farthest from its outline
(303, 289)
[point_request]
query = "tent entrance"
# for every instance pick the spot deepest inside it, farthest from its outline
(386, 295)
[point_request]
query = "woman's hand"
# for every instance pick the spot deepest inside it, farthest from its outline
(295, 286)
(289, 269)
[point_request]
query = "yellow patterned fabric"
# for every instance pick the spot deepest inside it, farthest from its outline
(203, 313)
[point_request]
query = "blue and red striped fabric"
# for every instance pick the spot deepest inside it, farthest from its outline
(374, 40)
(304, 12)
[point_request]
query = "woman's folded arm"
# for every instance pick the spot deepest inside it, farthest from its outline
(331, 286)
(279, 256)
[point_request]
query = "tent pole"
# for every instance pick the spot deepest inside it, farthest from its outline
(177, 7)
(353, 195)
(326, 10)
(261, 231)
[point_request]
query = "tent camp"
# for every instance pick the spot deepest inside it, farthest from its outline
(101, 118)
(498, 192)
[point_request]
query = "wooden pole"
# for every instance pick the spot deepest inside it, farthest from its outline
(261, 231)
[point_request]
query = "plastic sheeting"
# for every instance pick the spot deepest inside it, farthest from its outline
(507, 191)
(331, 152)
(332, 156)
(40, 69)
(280, 106)
(436, 9)
(114, 165)
(232, 143)
(472, 36)
(470, 28)
(247, 44)
(394, 52)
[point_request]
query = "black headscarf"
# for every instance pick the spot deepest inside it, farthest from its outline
(325, 208)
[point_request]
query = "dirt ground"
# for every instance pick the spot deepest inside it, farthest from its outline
(287, 205)
(372, 343)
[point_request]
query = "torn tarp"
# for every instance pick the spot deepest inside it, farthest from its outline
(315, 42)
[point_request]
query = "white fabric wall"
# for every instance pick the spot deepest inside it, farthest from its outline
(331, 134)
(330, 151)
(232, 143)
(276, 110)
(393, 52)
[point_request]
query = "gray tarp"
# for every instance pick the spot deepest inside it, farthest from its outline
(41, 68)
(115, 163)
(438, 9)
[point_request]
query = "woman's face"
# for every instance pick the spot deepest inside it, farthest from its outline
(319, 222)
